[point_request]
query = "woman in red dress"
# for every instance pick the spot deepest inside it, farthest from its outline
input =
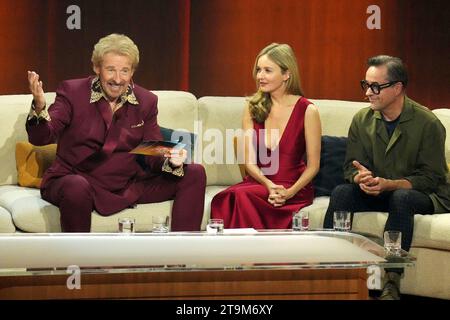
(285, 131)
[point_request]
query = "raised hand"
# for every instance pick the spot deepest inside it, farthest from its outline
(36, 89)
(371, 185)
(364, 175)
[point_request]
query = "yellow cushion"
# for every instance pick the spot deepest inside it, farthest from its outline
(32, 161)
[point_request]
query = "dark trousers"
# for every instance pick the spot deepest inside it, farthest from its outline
(73, 195)
(401, 206)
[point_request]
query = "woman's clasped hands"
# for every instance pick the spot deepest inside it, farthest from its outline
(278, 195)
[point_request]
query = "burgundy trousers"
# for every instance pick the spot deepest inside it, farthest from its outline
(73, 195)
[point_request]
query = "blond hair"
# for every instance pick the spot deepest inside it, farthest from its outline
(116, 43)
(283, 55)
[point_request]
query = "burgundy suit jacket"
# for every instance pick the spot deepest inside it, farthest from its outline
(94, 143)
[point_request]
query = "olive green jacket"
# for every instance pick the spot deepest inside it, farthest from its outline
(415, 152)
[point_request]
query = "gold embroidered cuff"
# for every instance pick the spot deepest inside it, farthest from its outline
(179, 172)
(43, 115)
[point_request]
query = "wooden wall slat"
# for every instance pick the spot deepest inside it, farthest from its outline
(209, 47)
(331, 41)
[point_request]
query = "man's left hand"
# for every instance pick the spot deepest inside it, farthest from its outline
(377, 185)
(176, 157)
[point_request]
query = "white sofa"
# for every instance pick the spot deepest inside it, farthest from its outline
(22, 209)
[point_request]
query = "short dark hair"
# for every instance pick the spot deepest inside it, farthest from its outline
(396, 69)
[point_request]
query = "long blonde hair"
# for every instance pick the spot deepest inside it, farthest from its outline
(283, 55)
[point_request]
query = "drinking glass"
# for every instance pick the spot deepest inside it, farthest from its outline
(393, 242)
(341, 220)
(160, 224)
(300, 221)
(126, 225)
(215, 226)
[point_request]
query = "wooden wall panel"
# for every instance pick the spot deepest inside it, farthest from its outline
(20, 36)
(37, 38)
(209, 47)
(331, 41)
(426, 47)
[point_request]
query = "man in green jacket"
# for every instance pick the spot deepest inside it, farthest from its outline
(395, 160)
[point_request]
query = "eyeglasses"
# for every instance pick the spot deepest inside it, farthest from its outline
(375, 86)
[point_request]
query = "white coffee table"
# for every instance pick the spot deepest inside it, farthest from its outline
(274, 264)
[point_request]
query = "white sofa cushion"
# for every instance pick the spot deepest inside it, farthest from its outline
(430, 275)
(336, 115)
(142, 213)
(32, 214)
(177, 109)
(211, 191)
(432, 231)
(9, 194)
(6, 223)
(218, 114)
(444, 116)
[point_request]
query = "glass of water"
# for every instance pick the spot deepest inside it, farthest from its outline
(160, 224)
(126, 225)
(342, 220)
(214, 226)
(393, 242)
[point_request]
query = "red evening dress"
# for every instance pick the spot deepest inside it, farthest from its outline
(245, 205)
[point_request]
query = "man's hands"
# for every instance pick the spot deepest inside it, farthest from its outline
(370, 185)
(176, 157)
(36, 89)
(278, 195)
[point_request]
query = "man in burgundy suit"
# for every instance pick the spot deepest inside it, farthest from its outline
(96, 121)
